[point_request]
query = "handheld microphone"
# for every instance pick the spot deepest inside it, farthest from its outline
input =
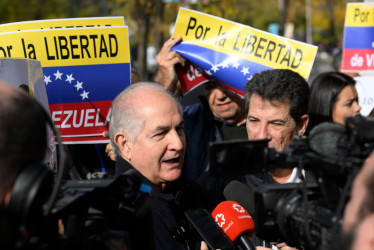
(324, 138)
(236, 222)
(240, 193)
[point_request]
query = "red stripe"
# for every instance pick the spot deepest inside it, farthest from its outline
(81, 118)
(358, 60)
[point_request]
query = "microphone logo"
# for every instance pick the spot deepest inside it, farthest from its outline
(238, 208)
(220, 219)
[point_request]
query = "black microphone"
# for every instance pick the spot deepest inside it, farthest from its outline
(240, 193)
(324, 138)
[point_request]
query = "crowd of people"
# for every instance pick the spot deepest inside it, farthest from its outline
(167, 145)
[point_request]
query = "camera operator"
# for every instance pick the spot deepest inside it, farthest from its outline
(23, 140)
(146, 130)
(359, 212)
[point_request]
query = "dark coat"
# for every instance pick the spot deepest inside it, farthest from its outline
(163, 211)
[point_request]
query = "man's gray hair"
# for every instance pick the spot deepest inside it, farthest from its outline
(125, 116)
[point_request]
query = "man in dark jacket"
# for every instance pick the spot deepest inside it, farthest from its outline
(146, 130)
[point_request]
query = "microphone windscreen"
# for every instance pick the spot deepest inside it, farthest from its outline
(324, 138)
(233, 219)
(240, 193)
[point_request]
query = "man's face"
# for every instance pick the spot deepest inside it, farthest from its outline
(158, 150)
(270, 121)
(224, 104)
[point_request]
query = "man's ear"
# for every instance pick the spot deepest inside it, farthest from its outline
(303, 123)
(124, 145)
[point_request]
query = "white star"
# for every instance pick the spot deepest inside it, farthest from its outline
(78, 85)
(58, 75)
(249, 78)
(84, 95)
(245, 70)
(220, 219)
(235, 65)
(372, 44)
(215, 68)
(224, 65)
(69, 78)
(208, 72)
(238, 208)
(47, 79)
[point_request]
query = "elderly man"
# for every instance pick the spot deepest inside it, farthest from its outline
(219, 116)
(146, 130)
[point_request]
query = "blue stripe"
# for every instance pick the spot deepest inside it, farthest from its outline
(206, 58)
(358, 37)
(103, 82)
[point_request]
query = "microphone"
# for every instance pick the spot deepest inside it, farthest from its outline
(236, 222)
(324, 138)
(240, 193)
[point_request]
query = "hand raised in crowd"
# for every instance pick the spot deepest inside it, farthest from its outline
(109, 149)
(166, 60)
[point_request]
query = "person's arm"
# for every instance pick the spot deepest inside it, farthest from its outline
(166, 60)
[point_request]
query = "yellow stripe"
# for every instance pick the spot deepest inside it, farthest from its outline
(66, 47)
(245, 42)
(359, 15)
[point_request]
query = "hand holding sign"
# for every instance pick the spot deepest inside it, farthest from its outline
(166, 61)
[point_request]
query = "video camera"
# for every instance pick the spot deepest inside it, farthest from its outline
(301, 214)
(95, 213)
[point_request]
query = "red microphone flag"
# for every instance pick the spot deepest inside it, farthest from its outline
(233, 219)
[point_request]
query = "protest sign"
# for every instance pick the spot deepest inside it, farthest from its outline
(358, 44)
(84, 69)
(232, 53)
(27, 74)
(63, 23)
(365, 90)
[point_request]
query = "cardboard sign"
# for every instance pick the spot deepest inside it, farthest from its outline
(365, 90)
(232, 53)
(84, 69)
(63, 23)
(358, 44)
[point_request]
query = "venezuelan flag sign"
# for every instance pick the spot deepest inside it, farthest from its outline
(358, 44)
(84, 69)
(232, 53)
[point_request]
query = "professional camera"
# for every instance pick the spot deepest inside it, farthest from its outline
(310, 215)
(302, 214)
(95, 214)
